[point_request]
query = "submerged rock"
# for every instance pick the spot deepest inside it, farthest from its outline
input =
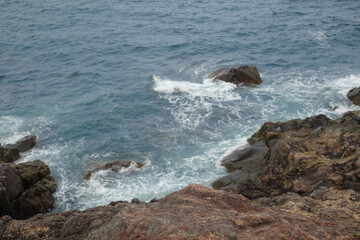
(241, 74)
(354, 96)
(195, 212)
(113, 166)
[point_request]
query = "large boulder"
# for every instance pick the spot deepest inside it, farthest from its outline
(25, 189)
(242, 74)
(113, 166)
(195, 212)
(354, 95)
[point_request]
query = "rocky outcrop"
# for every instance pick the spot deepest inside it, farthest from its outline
(195, 212)
(10, 152)
(309, 166)
(354, 96)
(26, 189)
(242, 74)
(113, 166)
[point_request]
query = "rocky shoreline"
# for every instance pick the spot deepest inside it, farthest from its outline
(298, 179)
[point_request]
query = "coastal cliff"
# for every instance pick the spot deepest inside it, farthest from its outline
(298, 179)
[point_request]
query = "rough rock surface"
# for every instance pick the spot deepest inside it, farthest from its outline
(327, 204)
(25, 189)
(312, 166)
(113, 166)
(195, 212)
(9, 154)
(354, 96)
(241, 74)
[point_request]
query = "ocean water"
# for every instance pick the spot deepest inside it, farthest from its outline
(99, 81)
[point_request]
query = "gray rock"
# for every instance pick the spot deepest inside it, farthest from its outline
(244, 165)
(241, 74)
(23, 144)
(354, 95)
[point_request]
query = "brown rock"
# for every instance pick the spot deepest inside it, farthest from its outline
(354, 96)
(113, 166)
(9, 154)
(241, 74)
(327, 204)
(195, 212)
(25, 189)
(36, 172)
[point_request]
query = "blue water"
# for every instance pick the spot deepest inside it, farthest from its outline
(99, 81)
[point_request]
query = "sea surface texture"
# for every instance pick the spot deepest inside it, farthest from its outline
(100, 81)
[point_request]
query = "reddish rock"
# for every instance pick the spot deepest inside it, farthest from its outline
(195, 212)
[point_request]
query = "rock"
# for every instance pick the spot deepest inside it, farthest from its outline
(25, 189)
(10, 187)
(195, 212)
(327, 204)
(24, 144)
(113, 166)
(241, 74)
(9, 154)
(36, 172)
(354, 96)
(308, 155)
(244, 164)
(37, 199)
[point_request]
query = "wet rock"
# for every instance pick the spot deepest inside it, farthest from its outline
(195, 212)
(24, 144)
(9, 154)
(354, 95)
(113, 166)
(238, 75)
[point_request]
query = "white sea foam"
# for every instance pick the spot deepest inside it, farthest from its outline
(11, 129)
(218, 90)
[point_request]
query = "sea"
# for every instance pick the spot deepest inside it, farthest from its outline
(110, 80)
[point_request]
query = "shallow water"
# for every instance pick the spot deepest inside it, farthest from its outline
(99, 81)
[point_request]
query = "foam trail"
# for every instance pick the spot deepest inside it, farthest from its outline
(220, 91)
